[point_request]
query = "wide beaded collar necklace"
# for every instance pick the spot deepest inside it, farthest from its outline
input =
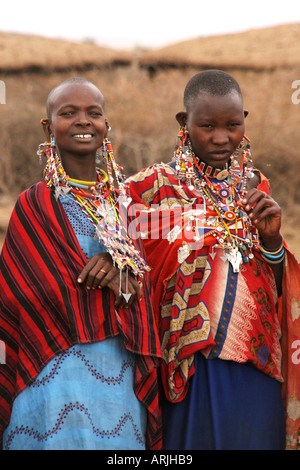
(219, 189)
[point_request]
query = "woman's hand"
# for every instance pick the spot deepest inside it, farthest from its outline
(100, 272)
(265, 215)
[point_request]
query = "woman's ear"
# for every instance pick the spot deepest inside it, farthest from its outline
(108, 128)
(181, 117)
(46, 124)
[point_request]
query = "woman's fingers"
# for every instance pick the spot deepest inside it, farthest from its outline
(264, 212)
(96, 270)
(126, 289)
(100, 272)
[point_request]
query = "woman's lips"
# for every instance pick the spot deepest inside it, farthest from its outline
(220, 154)
(85, 137)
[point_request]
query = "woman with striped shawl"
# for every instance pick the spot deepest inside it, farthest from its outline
(76, 320)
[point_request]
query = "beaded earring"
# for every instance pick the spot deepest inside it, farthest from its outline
(183, 157)
(45, 148)
(241, 166)
(101, 153)
(113, 167)
(243, 153)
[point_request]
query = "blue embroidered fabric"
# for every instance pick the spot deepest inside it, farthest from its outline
(84, 398)
(83, 227)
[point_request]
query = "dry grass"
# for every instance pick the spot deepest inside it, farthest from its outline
(20, 52)
(258, 49)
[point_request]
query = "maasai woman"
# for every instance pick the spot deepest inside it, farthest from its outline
(80, 339)
(218, 259)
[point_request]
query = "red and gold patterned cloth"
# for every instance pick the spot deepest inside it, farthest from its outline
(202, 305)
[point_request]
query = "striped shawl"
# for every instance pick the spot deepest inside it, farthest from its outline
(44, 310)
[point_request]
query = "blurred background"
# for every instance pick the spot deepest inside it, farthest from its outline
(141, 59)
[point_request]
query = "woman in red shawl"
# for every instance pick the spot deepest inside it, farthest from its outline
(226, 286)
(81, 344)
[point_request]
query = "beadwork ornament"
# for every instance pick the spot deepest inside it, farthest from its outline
(99, 201)
(220, 189)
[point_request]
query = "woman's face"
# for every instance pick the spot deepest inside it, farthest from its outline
(216, 125)
(77, 119)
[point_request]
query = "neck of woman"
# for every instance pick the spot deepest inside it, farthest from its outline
(80, 168)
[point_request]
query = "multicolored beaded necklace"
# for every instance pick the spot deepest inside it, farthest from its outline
(220, 189)
(100, 202)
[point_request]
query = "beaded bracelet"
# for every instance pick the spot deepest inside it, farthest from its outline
(267, 251)
(273, 256)
(274, 261)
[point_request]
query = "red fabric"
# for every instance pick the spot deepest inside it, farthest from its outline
(157, 185)
(290, 323)
(161, 256)
(44, 310)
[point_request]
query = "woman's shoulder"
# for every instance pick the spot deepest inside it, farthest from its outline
(152, 172)
(148, 184)
(31, 190)
(258, 181)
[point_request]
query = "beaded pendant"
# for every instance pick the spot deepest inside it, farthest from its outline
(219, 189)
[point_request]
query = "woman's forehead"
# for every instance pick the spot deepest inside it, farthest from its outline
(208, 104)
(72, 93)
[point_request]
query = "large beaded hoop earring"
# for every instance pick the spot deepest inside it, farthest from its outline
(101, 153)
(46, 148)
(184, 162)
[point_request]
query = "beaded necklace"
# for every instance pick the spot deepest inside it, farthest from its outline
(220, 189)
(100, 203)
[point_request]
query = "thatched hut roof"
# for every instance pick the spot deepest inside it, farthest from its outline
(19, 52)
(258, 49)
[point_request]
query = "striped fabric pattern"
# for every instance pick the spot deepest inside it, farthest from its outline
(44, 311)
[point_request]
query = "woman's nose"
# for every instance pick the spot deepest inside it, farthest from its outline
(220, 137)
(83, 119)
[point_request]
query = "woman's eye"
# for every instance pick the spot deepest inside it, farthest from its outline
(96, 113)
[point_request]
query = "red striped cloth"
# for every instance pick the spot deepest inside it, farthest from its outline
(44, 310)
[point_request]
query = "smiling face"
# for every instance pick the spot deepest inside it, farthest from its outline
(76, 119)
(216, 125)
